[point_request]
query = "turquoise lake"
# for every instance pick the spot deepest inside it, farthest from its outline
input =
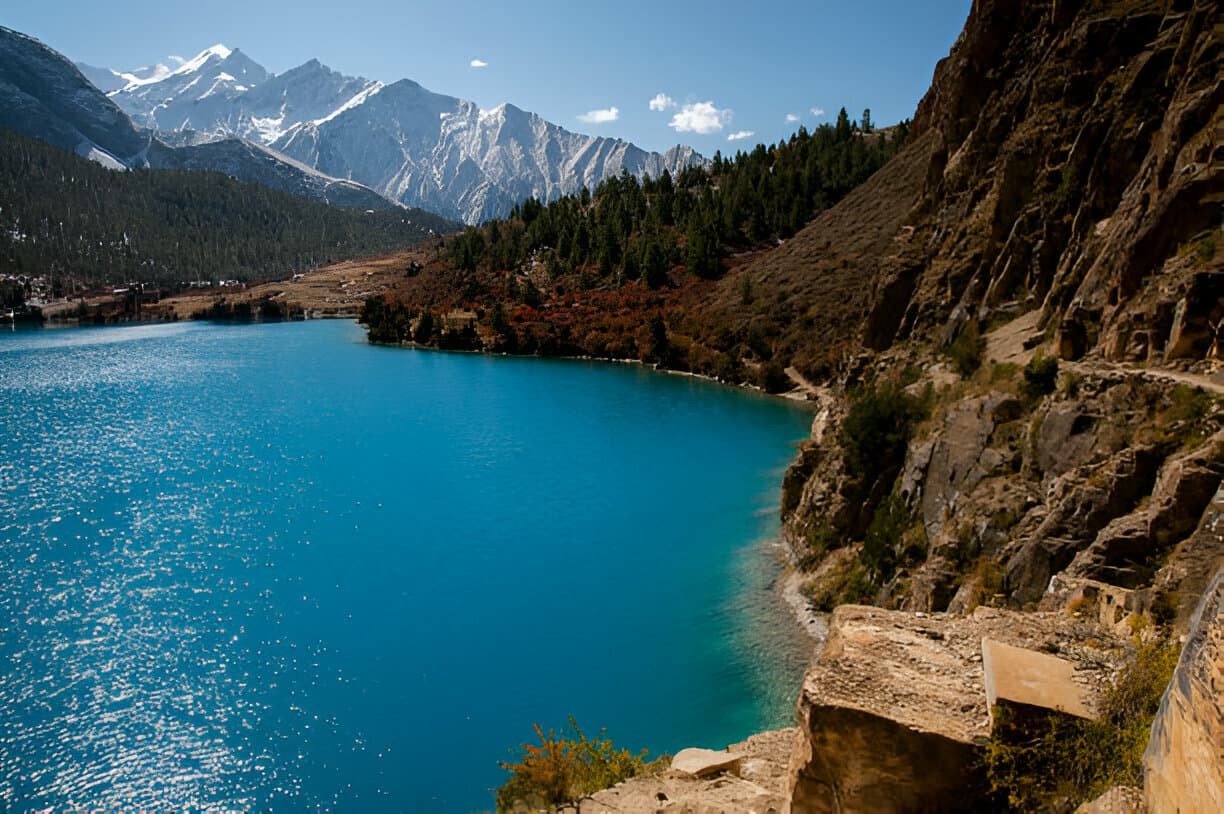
(272, 567)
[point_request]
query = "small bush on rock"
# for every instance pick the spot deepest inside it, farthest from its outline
(561, 770)
(1040, 376)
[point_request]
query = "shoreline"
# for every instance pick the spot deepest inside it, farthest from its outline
(813, 622)
(798, 396)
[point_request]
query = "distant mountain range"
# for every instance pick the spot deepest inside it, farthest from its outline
(44, 96)
(409, 144)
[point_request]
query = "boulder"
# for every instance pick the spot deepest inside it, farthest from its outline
(705, 762)
(893, 713)
(759, 785)
(1018, 676)
(1118, 800)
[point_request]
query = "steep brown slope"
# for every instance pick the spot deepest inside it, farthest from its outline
(1063, 159)
(814, 291)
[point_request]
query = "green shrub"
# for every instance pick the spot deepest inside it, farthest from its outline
(1040, 376)
(1182, 421)
(774, 379)
(1054, 762)
(966, 352)
(1201, 246)
(988, 579)
(562, 770)
(818, 540)
(877, 430)
(888, 524)
(850, 584)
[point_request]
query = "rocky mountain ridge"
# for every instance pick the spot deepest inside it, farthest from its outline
(412, 145)
(1046, 292)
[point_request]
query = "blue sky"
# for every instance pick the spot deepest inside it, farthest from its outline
(717, 70)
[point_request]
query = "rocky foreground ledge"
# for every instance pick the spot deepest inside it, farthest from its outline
(895, 714)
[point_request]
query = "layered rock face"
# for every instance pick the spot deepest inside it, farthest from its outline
(1074, 163)
(1184, 762)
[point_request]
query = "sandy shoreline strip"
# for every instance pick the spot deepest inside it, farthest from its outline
(814, 623)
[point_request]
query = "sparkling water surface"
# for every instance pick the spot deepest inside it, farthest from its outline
(271, 567)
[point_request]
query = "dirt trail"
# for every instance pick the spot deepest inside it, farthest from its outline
(805, 385)
(1212, 383)
(1007, 344)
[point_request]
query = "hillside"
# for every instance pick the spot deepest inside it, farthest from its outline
(585, 274)
(1072, 196)
(68, 216)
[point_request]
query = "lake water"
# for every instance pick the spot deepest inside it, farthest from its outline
(272, 567)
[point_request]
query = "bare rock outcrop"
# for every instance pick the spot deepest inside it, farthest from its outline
(754, 782)
(958, 458)
(1080, 503)
(1118, 800)
(1126, 550)
(893, 714)
(1184, 762)
(1191, 564)
(1067, 167)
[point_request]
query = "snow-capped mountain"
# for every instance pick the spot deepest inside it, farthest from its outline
(44, 96)
(196, 95)
(412, 145)
(449, 156)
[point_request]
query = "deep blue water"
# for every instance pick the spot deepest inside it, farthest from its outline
(273, 567)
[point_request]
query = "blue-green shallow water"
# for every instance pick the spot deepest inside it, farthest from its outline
(272, 567)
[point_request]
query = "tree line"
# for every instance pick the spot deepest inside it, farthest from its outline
(629, 229)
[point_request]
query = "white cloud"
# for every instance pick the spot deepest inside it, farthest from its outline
(701, 118)
(818, 111)
(792, 118)
(662, 102)
(741, 134)
(600, 116)
(478, 63)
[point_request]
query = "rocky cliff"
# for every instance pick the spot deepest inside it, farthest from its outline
(1066, 206)
(1038, 316)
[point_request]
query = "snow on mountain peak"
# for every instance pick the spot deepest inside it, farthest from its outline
(365, 93)
(144, 76)
(495, 112)
(201, 59)
(409, 143)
